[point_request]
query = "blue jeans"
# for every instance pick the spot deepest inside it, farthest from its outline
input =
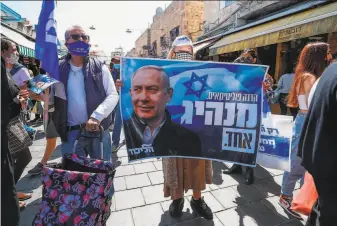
(297, 171)
(116, 132)
(88, 146)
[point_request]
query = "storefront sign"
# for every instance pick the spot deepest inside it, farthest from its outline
(292, 33)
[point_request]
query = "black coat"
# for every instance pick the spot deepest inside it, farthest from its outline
(172, 139)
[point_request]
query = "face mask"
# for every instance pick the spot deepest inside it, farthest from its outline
(79, 48)
(117, 66)
(183, 56)
(12, 59)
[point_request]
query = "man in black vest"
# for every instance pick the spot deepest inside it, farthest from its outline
(88, 99)
(150, 130)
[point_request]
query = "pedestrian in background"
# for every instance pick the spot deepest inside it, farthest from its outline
(313, 60)
(50, 132)
(284, 85)
(249, 56)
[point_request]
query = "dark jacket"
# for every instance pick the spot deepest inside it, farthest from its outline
(9, 90)
(318, 143)
(172, 139)
(95, 93)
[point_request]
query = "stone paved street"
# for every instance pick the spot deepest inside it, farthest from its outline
(139, 201)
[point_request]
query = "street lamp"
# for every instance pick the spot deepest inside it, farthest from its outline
(130, 31)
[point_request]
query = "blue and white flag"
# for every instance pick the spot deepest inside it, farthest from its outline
(46, 39)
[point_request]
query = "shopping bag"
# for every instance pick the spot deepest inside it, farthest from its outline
(76, 192)
(307, 196)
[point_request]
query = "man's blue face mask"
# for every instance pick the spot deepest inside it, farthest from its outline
(79, 48)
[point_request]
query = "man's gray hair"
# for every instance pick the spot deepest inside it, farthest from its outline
(67, 33)
(163, 74)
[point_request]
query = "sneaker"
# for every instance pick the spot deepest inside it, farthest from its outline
(285, 203)
(36, 170)
(176, 207)
(200, 207)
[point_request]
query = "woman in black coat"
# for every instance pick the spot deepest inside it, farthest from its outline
(9, 202)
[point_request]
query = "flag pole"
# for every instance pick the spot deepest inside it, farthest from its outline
(46, 105)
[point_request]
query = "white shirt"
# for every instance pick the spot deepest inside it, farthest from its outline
(21, 76)
(312, 92)
(77, 105)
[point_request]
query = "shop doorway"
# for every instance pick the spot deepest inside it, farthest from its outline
(267, 56)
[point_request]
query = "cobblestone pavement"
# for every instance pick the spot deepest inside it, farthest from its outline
(139, 201)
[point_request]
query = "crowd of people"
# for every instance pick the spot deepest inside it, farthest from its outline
(310, 92)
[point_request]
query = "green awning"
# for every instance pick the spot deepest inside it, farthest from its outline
(26, 51)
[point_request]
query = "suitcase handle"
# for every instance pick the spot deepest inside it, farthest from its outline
(80, 134)
(101, 133)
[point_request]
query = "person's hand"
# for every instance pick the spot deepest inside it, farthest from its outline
(118, 84)
(23, 93)
(266, 86)
(92, 125)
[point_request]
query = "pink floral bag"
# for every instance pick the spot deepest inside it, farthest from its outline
(77, 192)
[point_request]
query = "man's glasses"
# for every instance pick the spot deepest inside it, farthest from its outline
(77, 37)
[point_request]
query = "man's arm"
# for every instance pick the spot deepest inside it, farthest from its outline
(111, 100)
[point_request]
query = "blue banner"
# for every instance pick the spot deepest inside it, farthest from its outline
(191, 109)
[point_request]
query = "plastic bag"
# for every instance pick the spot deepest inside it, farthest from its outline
(307, 196)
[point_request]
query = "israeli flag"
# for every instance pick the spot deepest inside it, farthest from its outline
(46, 39)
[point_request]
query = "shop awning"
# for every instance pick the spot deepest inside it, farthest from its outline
(201, 45)
(316, 21)
(26, 47)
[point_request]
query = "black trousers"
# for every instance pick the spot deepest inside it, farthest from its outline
(284, 107)
(10, 212)
(21, 159)
(324, 212)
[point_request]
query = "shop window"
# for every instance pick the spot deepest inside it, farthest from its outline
(164, 42)
(224, 4)
(20, 26)
(174, 33)
(154, 48)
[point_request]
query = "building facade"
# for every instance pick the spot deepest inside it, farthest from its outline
(131, 53)
(20, 31)
(179, 18)
(142, 44)
(119, 52)
(277, 30)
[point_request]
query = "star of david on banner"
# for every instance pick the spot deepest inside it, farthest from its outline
(196, 78)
